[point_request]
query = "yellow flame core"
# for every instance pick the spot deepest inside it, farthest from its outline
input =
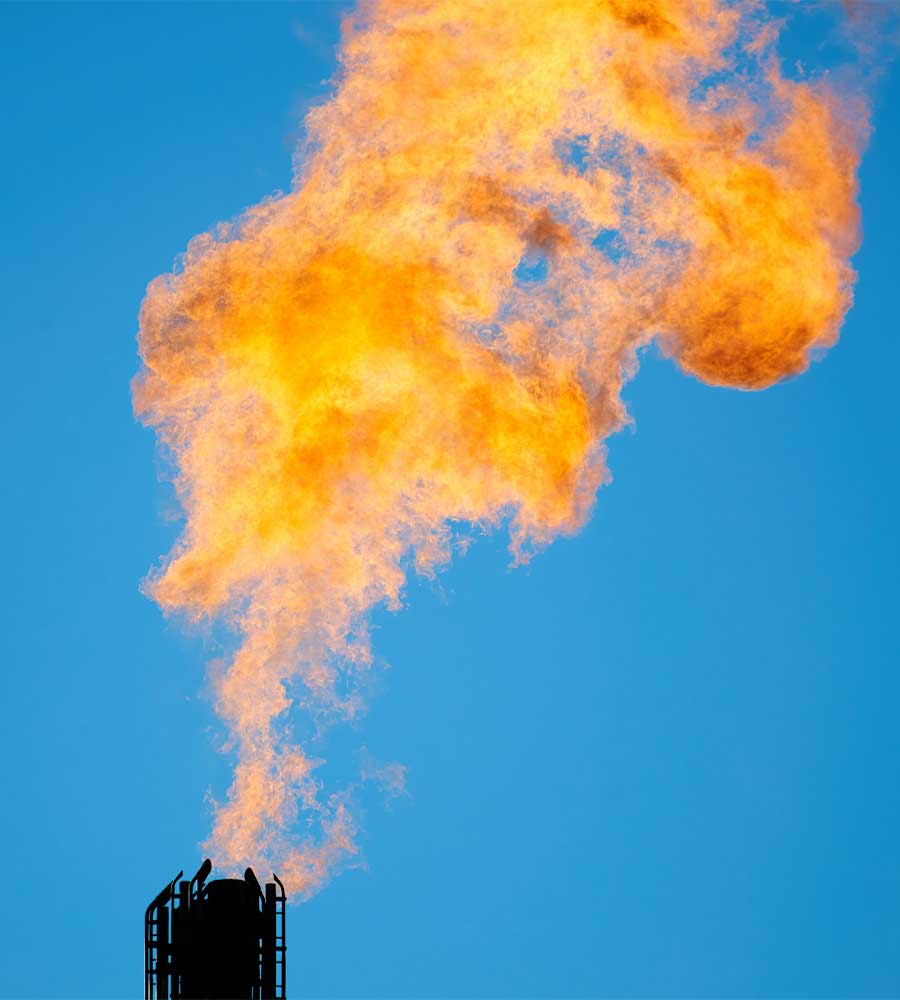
(355, 367)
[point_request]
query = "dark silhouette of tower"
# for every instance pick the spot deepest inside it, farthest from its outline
(219, 940)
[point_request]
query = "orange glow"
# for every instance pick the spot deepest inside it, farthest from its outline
(352, 369)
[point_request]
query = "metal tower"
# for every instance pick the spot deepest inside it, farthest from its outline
(219, 940)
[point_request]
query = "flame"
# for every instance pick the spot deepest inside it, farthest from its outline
(501, 203)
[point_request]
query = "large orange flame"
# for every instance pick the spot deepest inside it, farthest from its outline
(500, 204)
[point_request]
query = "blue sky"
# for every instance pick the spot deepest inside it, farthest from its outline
(662, 760)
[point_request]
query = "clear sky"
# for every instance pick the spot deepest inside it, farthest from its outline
(660, 761)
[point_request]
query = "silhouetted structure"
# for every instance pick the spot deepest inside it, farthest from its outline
(219, 940)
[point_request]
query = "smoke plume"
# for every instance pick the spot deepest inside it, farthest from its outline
(501, 203)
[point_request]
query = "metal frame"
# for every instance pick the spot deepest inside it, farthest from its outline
(166, 921)
(280, 920)
(157, 945)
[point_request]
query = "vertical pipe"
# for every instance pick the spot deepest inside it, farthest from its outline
(162, 953)
(268, 944)
(180, 929)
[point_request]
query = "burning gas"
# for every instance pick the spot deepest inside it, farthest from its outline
(501, 203)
